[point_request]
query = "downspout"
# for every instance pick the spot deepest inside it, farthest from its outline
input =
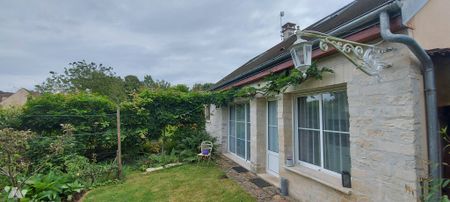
(433, 137)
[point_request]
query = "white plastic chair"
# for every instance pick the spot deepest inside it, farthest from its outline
(206, 148)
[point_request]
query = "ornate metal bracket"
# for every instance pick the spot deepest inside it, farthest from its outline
(366, 57)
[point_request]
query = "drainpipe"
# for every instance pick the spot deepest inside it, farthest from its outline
(433, 137)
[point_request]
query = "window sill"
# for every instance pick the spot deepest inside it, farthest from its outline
(321, 177)
(239, 160)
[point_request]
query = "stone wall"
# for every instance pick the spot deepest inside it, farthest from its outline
(217, 126)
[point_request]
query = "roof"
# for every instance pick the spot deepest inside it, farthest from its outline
(439, 52)
(19, 98)
(4, 95)
(280, 52)
(268, 58)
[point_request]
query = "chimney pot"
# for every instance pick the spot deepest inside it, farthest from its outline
(288, 30)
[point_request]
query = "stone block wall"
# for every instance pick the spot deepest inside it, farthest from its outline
(217, 126)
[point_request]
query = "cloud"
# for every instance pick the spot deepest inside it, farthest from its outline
(178, 41)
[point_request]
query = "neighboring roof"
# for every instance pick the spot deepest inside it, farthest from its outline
(280, 53)
(4, 95)
(18, 98)
(439, 52)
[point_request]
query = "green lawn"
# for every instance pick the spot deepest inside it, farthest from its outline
(183, 183)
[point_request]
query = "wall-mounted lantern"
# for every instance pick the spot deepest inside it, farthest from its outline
(366, 57)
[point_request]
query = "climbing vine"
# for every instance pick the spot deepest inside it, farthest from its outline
(275, 83)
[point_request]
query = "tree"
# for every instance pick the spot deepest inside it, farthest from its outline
(181, 88)
(13, 145)
(152, 84)
(85, 77)
(202, 87)
(132, 84)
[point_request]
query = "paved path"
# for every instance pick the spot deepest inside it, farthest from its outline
(270, 193)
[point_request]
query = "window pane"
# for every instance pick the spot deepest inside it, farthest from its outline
(337, 152)
(308, 112)
(232, 145)
(309, 146)
(272, 113)
(232, 136)
(335, 111)
(273, 139)
(240, 149)
(240, 112)
(232, 112)
(240, 132)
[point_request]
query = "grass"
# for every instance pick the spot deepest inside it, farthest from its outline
(182, 183)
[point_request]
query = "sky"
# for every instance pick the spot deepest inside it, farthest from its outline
(184, 41)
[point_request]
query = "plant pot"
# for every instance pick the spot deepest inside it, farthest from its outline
(289, 162)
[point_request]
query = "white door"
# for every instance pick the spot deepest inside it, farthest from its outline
(272, 138)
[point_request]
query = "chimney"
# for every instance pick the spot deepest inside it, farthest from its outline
(287, 30)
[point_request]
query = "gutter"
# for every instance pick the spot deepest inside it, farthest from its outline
(433, 137)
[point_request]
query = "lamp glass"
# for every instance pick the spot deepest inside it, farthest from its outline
(301, 52)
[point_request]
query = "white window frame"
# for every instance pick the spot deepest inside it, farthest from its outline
(320, 168)
(247, 132)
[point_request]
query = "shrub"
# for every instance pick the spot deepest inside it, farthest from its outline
(51, 187)
(188, 140)
(152, 147)
(156, 160)
(90, 173)
(13, 162)
(92, 116)
(10, 118)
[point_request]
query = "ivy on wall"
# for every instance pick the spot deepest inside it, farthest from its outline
(274, 84)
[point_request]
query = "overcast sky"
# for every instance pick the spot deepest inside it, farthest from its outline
(184, 41)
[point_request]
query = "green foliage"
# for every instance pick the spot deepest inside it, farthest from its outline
(188, 140)
(152, 147)
(275, 83)
(85, 77)
(10, 118)
(278, 83)
(155, 85)
(181, 88)
(441, 184)
(198, 87)
(92, 117)
(13, 162)
(155, 160)
(51, 187)
(150, 112)
(132, 84)
(90, 173)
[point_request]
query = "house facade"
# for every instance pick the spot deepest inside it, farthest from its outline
(370, 128)
(17, 99)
